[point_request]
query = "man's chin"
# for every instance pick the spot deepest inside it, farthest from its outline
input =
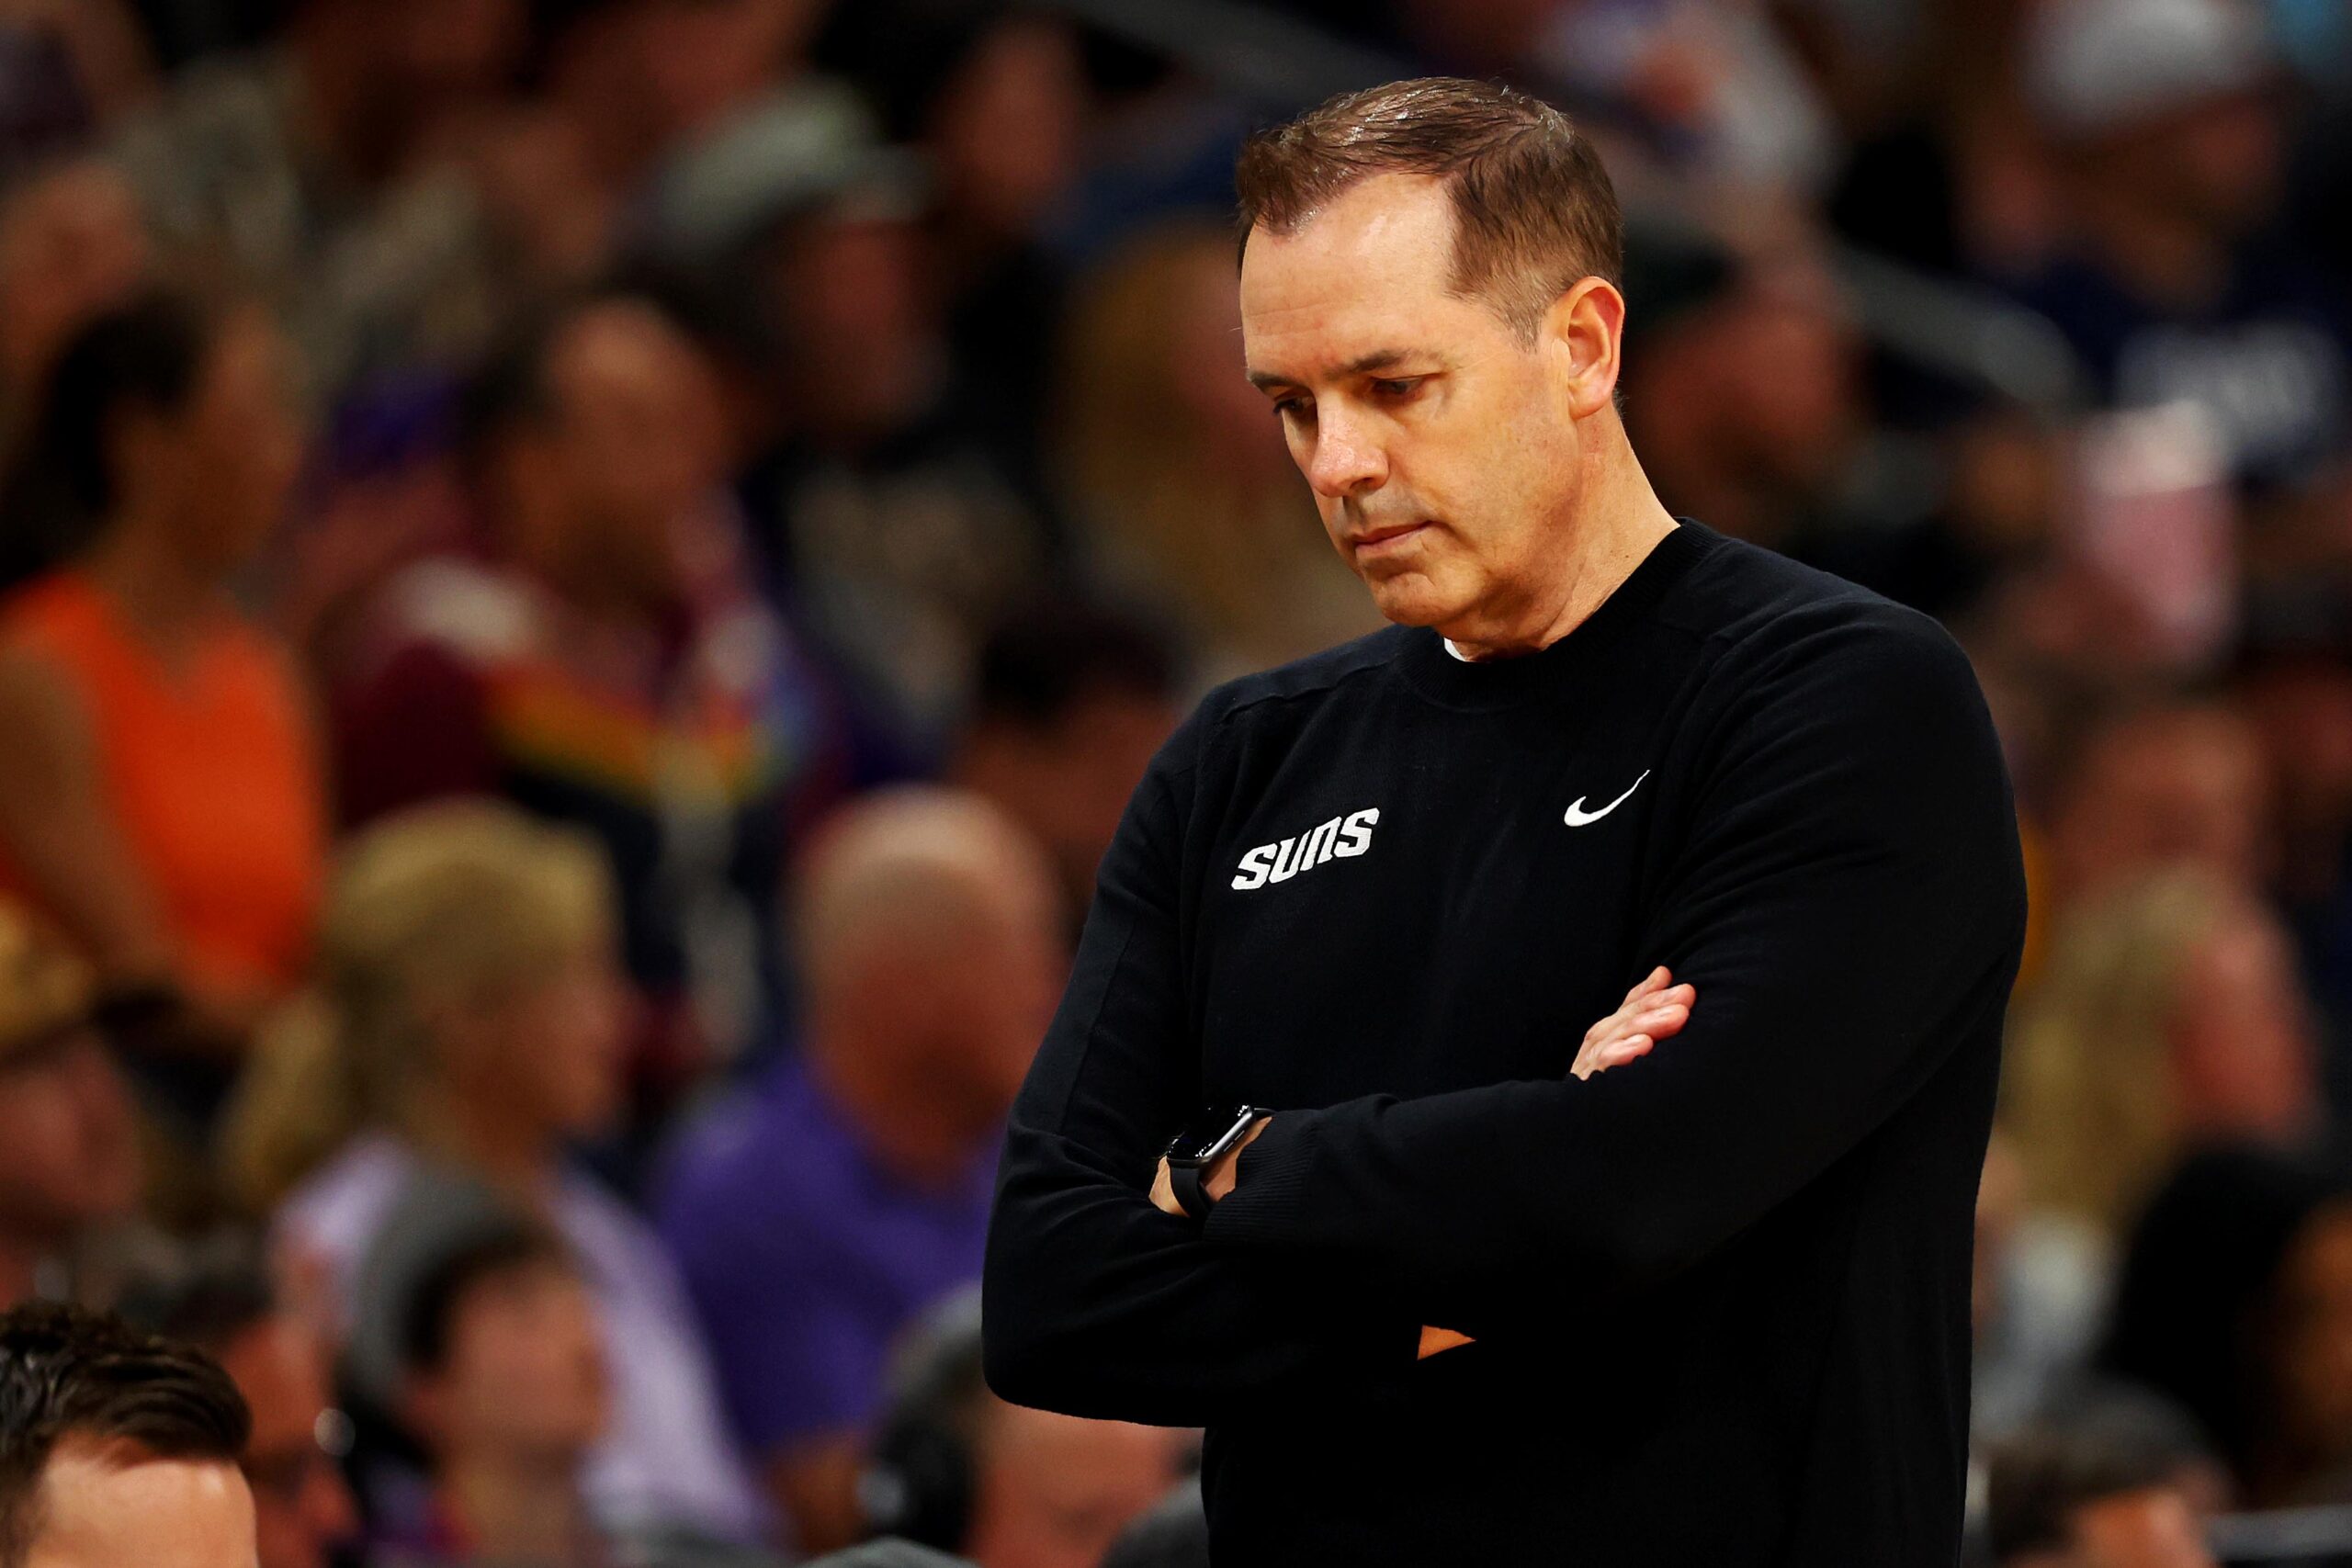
(1410, 599)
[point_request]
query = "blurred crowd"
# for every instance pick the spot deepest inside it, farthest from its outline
(582, 583)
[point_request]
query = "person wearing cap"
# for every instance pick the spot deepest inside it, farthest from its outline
(69, 1147)
(2164, 116)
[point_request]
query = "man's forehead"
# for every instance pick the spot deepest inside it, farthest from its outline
(1365, 272)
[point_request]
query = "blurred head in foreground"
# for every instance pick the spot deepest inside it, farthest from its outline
(2115, 1493)
(115, 1449)
(218, 1297)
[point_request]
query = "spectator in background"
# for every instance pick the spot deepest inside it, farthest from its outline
(1070, 703)
(116, 1449)
(503, 1384)
(2151, 785)
(71, 246)
(1993, 520)
(2166, 118)
(896, 530)
(1179, 483)
(956, 1469)
(1742, 389)
(996, 97)
(606, 663)
(2235, 1302)
(817, 1215)
(160, 797)
(469, 1018)
(651, 86)
(2169, 1014)
(2085, 1496)
(2298, 695)
(483, 1340)
(300, 172)
(217, 1296)
(69, 1148)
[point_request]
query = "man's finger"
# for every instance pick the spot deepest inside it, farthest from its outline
(1657, 979)
(1614, 1054)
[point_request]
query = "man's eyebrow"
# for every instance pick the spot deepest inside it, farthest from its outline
(1361, 364)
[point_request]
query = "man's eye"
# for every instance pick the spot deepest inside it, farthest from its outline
(1288, 408)
(1399, 386)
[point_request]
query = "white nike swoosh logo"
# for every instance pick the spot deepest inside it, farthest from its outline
(1577, 816)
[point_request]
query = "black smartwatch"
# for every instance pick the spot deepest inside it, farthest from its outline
(1206, 1138)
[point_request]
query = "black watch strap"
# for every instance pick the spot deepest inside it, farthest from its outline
(1190, 1196)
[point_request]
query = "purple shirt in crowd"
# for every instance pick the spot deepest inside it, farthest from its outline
(806, 1257)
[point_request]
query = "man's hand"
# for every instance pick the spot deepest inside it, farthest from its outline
(1217, 1181)
(1652, 1010)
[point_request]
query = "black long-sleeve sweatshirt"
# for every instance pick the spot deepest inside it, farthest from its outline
(1720, 1293)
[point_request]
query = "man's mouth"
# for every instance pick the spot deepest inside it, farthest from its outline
(1377, 541)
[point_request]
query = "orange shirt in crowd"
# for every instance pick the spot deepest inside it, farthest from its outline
(211, 774)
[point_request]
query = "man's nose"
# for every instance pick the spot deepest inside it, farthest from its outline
(1346, 461)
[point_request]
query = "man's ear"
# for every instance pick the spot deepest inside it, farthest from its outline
(1581, 336)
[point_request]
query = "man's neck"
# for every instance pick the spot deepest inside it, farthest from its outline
(1623, 521)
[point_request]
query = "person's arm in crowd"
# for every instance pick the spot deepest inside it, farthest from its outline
(53, 820)
(1850, 894)
(1095, 1302)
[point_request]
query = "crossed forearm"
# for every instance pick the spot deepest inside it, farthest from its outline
(1653, 1010)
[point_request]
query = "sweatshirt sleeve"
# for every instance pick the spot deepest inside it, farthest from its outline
(1849, 901)
(1094, 1302)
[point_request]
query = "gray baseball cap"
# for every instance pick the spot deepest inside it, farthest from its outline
(2095, 67)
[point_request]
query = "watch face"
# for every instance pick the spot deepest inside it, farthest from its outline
(1208, 1133)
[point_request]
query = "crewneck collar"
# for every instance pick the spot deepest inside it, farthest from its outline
(1451, 681)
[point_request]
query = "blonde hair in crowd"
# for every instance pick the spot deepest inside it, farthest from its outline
(2087, 1092)
(449, 904)
(1244, 549)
